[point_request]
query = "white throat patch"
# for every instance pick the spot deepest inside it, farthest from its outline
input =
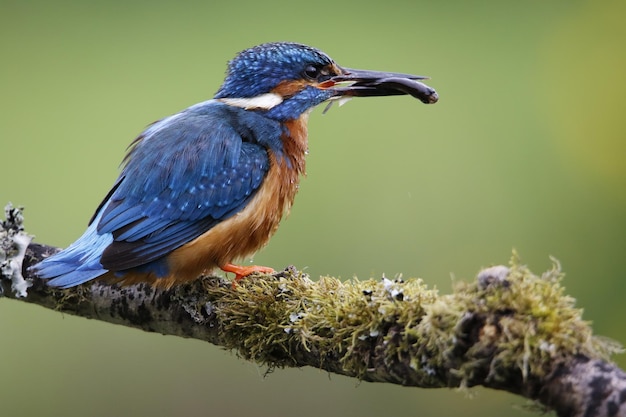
(265, 101)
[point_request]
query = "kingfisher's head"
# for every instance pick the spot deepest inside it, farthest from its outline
(285, 79)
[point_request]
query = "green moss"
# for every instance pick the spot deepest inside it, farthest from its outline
(269, 319)
(535, 322)
(508, 323)
(513, 320)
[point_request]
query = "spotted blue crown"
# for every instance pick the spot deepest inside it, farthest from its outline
(260, 69)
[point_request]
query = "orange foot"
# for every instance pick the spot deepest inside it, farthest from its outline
(243, 271)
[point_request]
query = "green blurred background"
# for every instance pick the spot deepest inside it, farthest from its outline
(524, 150)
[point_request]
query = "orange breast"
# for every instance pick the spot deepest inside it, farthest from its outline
(247, 231)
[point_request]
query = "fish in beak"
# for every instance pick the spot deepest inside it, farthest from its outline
(365, 83)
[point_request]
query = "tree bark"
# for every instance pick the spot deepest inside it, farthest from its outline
(509, 329)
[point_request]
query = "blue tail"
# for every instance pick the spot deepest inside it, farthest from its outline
(78, 263)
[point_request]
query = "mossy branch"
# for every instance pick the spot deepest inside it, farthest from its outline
(509, 329)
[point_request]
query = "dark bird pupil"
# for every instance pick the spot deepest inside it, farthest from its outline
(311, 72)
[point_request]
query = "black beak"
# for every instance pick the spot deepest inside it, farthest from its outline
(366, 83)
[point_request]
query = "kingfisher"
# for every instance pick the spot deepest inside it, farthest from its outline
(209, 185)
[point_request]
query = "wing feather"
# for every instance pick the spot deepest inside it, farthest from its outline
(182, 176)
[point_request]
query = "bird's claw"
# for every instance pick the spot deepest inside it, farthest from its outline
(241, 271)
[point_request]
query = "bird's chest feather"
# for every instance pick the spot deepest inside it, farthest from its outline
(280, 186)
(248, 230)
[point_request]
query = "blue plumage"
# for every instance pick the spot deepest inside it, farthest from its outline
(183, 175)
(204, 164)
(259, 69)
(78, 263)
(211, 183)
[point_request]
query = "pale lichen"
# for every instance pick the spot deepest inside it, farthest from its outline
(13, 244)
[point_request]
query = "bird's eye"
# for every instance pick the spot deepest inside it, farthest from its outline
(311, 72)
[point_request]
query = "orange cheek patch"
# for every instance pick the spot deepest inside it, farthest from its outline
(289, 88)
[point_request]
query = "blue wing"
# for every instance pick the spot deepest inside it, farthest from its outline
(182, 176)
